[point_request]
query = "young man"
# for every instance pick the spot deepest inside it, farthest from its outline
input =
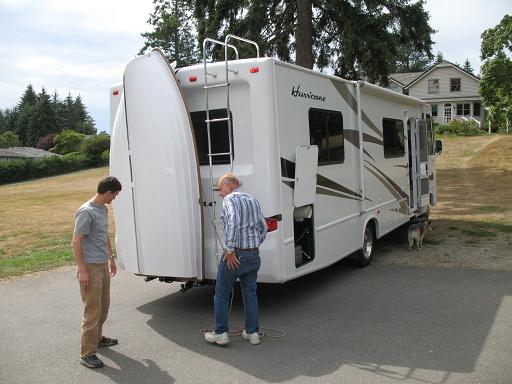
(245, 229)
(95, 266)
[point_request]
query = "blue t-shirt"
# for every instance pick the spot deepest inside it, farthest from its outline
(92, 221)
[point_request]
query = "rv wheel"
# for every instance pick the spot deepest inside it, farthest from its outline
(365, 254)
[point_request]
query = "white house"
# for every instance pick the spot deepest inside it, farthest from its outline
(451, 91)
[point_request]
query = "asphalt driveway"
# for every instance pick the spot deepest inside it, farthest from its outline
(381, 324)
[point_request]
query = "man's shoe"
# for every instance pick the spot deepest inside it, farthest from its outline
(254, 338)
(221, 339)
(107, 342)
(91, 361)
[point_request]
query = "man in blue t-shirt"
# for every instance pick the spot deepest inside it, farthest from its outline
(95, 266)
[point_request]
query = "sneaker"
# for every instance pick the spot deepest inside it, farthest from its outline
(107, 342)
(91, 361)
(221, 339)
(254, 338)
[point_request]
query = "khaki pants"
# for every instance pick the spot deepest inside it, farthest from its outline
(96, 299)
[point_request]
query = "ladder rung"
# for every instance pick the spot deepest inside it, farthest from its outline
(216, 120)
(220, 154)
(216, 85)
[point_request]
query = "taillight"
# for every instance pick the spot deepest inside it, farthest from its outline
(271, 224)
(192, 79)
(254, 70)
(116, 92)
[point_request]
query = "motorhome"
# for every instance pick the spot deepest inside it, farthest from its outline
(335, 164)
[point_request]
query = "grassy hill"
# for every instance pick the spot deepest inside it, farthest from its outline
(37, 219)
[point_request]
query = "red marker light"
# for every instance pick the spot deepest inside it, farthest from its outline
(254, 70)
(192, 79)
(116, 92)
(271, 224)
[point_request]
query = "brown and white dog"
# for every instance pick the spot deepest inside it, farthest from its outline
(417, 232)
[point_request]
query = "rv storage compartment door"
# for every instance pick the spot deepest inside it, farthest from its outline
(305, 175)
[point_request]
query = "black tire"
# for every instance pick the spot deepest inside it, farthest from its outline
(365, 254)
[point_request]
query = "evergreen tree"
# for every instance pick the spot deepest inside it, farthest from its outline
(439, 58)
(409, 60)
(467, 66)
(82, 122)
(351, 38)
(172, 24)
(43, 119)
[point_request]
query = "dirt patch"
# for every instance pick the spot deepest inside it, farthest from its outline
(472, 221)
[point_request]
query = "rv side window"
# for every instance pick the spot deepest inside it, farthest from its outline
(326, 131)
(393, 132)
(218, 133)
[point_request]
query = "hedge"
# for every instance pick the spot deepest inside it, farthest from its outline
(19, 170)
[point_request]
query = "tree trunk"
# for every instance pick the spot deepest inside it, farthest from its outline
(304, 34)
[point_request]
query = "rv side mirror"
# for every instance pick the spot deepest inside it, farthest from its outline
(439, 146)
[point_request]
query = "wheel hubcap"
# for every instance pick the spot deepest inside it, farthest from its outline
(368, 243)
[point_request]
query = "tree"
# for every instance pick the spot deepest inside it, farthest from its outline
(9, 139)
(46, 142)
(410, 61)
(467, 66)
(43, 119)
(439, 57)
(496, 81)
(94, 146)
(68, 141)
(351, 38)
(172, 24)
(81, 120)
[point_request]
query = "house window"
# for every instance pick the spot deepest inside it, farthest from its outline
(463, 109)
(433, 86)
(326, 131)
(218, 134)
(476, 109)
(393, 132)
(455, 85)
(434, 110)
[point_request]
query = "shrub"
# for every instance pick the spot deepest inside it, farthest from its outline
(21, 170)
(94, 146)
(459, 128)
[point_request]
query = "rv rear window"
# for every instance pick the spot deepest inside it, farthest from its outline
(218, 133)
(393, 132)
(326, 131)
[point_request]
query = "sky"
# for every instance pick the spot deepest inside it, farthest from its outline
(81, 47)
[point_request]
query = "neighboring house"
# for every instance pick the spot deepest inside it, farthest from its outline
(451, 91)
(20, 153)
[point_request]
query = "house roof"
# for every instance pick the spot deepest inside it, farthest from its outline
(408, 79)
(404, 78)
(25, 152)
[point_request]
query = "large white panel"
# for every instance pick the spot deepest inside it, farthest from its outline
(126, 245)
(164, 170)
(306, 164)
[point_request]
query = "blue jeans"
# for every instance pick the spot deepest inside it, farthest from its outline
(247, 272)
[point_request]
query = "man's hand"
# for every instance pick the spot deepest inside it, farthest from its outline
(113, 267)
(231, 260)
(83, 277)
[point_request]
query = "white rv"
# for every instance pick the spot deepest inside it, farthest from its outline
(335, 164)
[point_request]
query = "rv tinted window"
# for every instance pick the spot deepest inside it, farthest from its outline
(218, 132)
(393, 131)
(326, 131)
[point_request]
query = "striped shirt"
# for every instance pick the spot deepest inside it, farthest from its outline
(244, 224)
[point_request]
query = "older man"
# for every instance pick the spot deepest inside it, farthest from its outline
(244, 230)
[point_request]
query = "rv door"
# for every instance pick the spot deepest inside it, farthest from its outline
(418, 164)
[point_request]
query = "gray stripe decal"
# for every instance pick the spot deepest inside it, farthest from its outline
(352, 103)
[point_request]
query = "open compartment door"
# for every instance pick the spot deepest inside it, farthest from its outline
(306, 163)
(160, 154)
